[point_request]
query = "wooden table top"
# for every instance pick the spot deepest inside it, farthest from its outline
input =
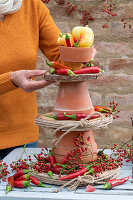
(122, 192)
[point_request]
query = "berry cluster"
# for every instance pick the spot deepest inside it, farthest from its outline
(21, 164)
(70, 7)
(125, 151)
(60, 2)
(110, 7)
(127, 24)
(86, 16)
(3, 170)
(41, 165)
(113, 110)
(45, 1)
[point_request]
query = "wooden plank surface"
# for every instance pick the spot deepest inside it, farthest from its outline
(122, 192)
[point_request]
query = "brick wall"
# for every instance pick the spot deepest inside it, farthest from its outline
(115, 56)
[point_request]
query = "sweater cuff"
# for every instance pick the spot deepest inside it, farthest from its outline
(6, 84)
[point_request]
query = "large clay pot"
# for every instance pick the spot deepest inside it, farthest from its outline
(67, 145)
(73, 97)
(77, 54)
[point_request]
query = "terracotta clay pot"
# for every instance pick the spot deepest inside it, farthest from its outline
(77, 54)
(67, 145)
(73, 97)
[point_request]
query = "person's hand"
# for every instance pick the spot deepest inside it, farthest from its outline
(24, 79)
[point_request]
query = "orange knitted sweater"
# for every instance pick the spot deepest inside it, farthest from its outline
(21, 34)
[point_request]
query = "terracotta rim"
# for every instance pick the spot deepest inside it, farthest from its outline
(77, 54)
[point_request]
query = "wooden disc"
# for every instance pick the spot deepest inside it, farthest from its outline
(65, 78)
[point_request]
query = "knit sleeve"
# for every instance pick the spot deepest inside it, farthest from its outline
(6, 84)
(48, 33)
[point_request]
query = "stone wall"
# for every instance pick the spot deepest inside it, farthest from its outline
(115, 56)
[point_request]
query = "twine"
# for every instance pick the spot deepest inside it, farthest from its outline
(78, 181)
(82, 123)
(74, 183)
(68, 126)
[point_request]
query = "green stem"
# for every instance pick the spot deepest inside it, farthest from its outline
(61, 35)
(90, 171)
(35, 155)
(70, 169)
(88, 167)
(26, 183)
(107, 186)
(63, 166)
(51, 70)
(50, 173)
(90, 64)
(8, 189)
(76, 43)
(49, 63)
(101, 151)
(70, 72)
(30, 186)
(52, 116)
(102, 71)
(25, 171)
(71, 116)
(42, 185)
(66, 36)
(103, 110)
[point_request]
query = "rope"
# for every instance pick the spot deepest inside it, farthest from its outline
(82, 123)
(78, 181)
(74, 183)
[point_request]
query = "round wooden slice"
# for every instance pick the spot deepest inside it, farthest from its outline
(65, 78)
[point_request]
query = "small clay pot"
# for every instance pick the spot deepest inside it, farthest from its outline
(77, 54)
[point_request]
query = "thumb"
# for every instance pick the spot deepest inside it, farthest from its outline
(36, 72)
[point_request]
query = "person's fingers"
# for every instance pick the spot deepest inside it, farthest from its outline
(35, 85)
(23, 79)
(36, 72)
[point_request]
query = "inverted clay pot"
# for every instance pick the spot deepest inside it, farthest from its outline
(73, 97)
(66, 145)
(77, 54)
